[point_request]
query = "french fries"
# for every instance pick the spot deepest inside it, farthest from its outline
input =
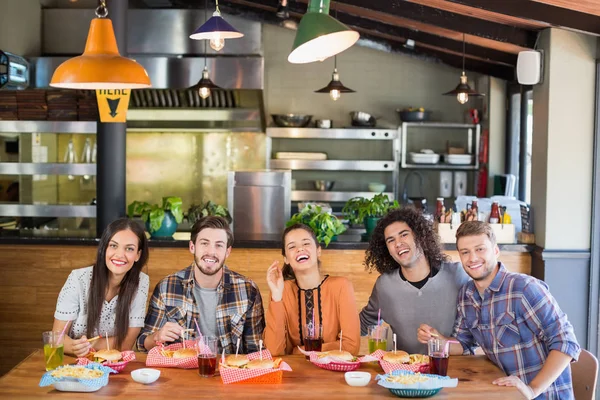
(79, 372)
(418, 359)
(407, 379)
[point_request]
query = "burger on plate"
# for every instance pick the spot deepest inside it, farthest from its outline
(342, 355)
(112, 356)
(185, 353)
(398, 357)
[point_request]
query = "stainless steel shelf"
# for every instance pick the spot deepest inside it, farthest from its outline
(334, 165)
(317, 133)
(84, 127)
(13, 168)
(440, 125)
(441, 166)
(315, 195)
(43, 210)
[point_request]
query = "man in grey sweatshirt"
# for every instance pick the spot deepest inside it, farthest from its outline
(417, 284)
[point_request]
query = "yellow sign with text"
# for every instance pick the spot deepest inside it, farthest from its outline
(113, 104)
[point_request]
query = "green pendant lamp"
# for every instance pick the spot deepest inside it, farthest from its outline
(319, 35)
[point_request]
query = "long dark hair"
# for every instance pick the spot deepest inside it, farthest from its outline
(287, 271)
(127, 288)
(379, 258)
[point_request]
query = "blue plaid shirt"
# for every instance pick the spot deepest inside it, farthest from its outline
(517, 323)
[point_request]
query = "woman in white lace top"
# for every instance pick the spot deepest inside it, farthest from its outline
(108, 298)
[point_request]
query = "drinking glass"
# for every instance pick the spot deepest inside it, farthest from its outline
(377, 338)
(207, 356)
(438, 356)
(54, 349)
(312, 335)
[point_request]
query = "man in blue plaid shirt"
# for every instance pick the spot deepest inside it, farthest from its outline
(206, 296)
(513, 318)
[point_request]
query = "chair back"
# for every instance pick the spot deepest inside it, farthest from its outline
(585, 375)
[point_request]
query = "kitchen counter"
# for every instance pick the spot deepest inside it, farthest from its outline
(254, 241)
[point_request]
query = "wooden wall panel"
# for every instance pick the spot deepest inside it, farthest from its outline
(32, 276)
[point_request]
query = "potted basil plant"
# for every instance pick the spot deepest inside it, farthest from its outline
(325, 225)
(161, 221)
(209, 208)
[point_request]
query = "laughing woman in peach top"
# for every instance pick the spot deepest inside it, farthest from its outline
(301, 295)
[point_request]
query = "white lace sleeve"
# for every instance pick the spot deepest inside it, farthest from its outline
(67, 306)
(137, 312)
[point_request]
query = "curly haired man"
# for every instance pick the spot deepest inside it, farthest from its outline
(417, 284)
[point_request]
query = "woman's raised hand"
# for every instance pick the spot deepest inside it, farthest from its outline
(275, 281)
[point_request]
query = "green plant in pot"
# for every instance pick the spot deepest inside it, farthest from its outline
(161, 222)
(368, 211)
(209, 208)
(325, 225)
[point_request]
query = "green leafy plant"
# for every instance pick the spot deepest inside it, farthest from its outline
(358, 208)
(325, 225)
(156, 214)
(209, 208)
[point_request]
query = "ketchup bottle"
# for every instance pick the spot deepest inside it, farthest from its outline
(495, 213)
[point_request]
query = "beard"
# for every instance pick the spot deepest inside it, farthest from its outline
(206, 271)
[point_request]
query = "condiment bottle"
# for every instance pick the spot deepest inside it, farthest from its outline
(439, 208)
(495, 213)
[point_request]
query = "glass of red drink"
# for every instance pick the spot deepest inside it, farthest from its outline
(438, 356)
(207, 356)
(312, 335)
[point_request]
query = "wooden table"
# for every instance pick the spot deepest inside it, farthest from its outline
(475, 374)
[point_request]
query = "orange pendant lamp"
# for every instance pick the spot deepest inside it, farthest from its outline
(100, 66)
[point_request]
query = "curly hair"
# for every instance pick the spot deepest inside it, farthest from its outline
(379, 258)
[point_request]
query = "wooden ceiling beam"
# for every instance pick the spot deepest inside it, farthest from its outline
(540, 11)
(584, 6)
(449, 20)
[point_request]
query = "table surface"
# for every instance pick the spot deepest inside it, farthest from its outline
(475, 375)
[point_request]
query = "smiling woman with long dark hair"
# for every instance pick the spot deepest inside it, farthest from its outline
(108, 298)
(302, 295)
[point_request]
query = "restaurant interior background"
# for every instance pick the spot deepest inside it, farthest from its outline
(556, 164)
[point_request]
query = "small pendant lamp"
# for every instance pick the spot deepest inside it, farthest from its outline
(216, 30)
(205, 85)
(100, 66)
(335, 88)
(463, 90)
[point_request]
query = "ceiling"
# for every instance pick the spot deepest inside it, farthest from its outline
(494, 31)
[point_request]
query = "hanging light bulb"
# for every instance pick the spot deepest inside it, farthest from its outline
(335, 88)
(217, 43)
(335, 94)
(462, 91)
(205, 85)
(216, 30)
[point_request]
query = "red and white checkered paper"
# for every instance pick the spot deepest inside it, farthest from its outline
(389, 367)
(126, 356)
(156, 359)
(330, 363)
(232, 375)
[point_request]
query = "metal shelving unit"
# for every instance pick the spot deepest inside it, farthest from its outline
(473, 137)
(377, 134)
(43, 168)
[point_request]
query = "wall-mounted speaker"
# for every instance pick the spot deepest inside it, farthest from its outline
(530, 67)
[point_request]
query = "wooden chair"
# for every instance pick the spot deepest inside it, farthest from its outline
(585, 374)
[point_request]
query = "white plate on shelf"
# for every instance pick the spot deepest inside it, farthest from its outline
(424, 158)
(283, 155)
(459, 159)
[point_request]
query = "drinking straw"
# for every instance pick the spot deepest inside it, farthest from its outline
(106, 336)
(237, 347)
(260, 343)
(183, 338)
(447, 346)
(62, 333)
(394, 343)
(341, 337)
(223, 357)
(197, 327)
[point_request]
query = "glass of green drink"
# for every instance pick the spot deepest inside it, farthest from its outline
(377, 338)
(54, 349)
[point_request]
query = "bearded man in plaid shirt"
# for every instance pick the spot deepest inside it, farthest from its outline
(206, 296)
(513, 318)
